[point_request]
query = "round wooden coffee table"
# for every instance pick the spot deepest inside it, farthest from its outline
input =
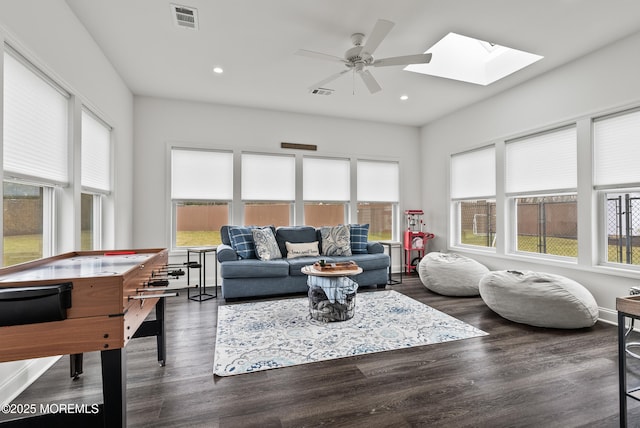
(332, 295)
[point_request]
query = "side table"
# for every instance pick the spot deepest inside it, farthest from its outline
(202, 273)
(390, 245)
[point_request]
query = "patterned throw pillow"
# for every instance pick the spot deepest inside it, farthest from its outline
(241, 238)
(266, 245)
(359, 237)
(336, 240)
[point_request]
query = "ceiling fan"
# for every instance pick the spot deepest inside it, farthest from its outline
(359, 57)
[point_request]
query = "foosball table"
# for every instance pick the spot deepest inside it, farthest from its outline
(82, 302)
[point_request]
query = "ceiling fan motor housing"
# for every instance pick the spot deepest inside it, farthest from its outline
(355, 55)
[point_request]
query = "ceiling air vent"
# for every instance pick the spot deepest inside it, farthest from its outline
(185, 17)
(321, 91)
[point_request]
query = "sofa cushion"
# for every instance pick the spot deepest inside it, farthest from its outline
(299, 262)
(241, 238)
(294, 234)
(302, 249)
(224, 235)
(359, 234)
(266, 245)
(336, 240)
(367, 261)
(254, 268)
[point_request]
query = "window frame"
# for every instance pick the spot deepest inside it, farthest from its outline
(395, 203)
(48, 217)
(200, 198)
(511, 196)
(486, 191)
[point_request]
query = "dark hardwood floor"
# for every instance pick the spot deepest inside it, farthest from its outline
(518, 376)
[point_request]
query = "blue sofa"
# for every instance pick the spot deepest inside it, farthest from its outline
(251, 277)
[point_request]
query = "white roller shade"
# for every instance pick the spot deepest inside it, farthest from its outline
(201, 175)
(325, 179)
(96, 154)
(35, 125)
(378, 181)
(268, 177)
(616, 143)
(473, 174)
(544, 162)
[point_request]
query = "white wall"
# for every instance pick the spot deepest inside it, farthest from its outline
(159, 122)
(602, 81)
(48, 34)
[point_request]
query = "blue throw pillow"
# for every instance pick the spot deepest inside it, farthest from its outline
(359, 237)
(241, 238)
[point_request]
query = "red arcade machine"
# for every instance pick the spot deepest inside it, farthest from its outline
(415, 240)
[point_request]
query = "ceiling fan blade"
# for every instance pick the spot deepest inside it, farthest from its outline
(402, 60)
(379, 32)
(370, 81)
(328, 79)
(319, 55)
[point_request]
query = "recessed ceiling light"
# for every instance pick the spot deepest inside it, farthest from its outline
(218, 70)
(404, 97)
(471, 60)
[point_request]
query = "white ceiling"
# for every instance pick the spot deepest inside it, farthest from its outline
(255, 41)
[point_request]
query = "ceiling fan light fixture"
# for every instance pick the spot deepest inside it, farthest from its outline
(359, 57)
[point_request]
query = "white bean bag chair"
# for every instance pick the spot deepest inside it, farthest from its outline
(451, 274)
(539, 299)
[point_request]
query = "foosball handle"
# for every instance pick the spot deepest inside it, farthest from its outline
(175, 273)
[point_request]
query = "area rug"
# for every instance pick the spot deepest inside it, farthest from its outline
(271, 334)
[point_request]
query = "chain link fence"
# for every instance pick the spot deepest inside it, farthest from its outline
(478, 223)
(623, 228)
(548, 225)
(545, 224)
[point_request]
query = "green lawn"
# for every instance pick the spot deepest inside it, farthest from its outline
(198, 238)
(21, 248)
(557, 246)
(24, 248)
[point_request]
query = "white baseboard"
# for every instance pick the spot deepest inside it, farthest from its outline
(608, 315)
(16, 376)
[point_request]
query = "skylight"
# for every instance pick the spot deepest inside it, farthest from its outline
(471, 60)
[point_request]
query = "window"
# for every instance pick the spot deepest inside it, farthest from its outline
(378, 193)
(268, 189)
(35, 158)
(95, 178)
(473, 188)
(27, 233)
(201, 189)
(617, 178)
(548, 224)
(326, 191)
(541, 182)
(90, 207)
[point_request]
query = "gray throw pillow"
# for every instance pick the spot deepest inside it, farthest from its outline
(336, 240)
(265, 243)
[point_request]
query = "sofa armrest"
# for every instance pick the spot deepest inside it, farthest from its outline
(226, 253)
(374, 247)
